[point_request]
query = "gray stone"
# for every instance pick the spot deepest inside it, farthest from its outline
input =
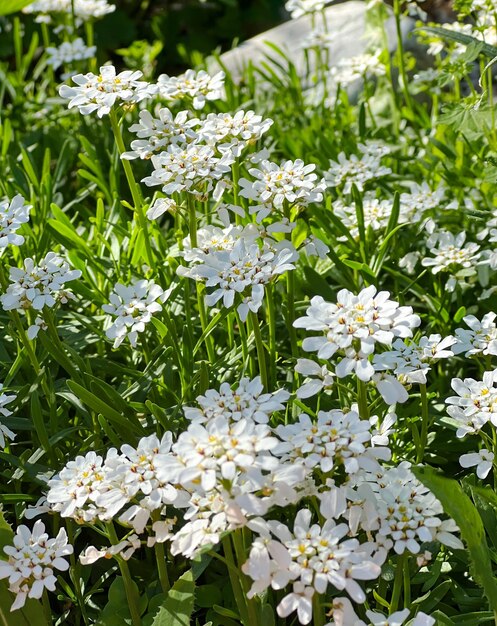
(346, 21)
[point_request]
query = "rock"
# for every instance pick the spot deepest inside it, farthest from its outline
(347, 22)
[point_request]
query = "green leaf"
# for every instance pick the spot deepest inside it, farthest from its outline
(31, 613)
(6, 535)
(12, 6)
(100, 406)
(459, 506)
(466, 40)
(177, 608)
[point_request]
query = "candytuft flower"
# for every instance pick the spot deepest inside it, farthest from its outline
(13, 213)
(32, 562)
(100, 92)
(133, 307)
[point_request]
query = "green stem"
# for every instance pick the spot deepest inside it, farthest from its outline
(261, 357)
(362, 400)
(271, 321)
(397, 583)
(160, 558)
(290, 303)
(317, 611)
(133, 187)
(131, 594)
(75, 571)
(400, 54)
(192, 228)
(235, 581)
(251, 605)
(424, 423)
(407, 583)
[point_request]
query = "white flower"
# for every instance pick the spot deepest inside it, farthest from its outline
(32, 562)
(402, 512)
(191, 168)
(481, 338)
(450, 253)
(376, 213)
(349, 69)
(125, 549)
(68, 52)
(292, 181)
(297, 8)
(422, 619)
(410, 362)
(99, 93)
(197, 86)
(133, 307)
(219, 448)
(353, 326)
(313, 246)
(155, 134)
(34, 329)
(354, 170)
(422, 198)
(310, 558)
(161, 206)
(318, 378)
(395, 619)
(4, 431)
(84, 10)
(233, 132)
(243, 270)
(475, 403)
(246, 401)
(13, 214)
(335, 438)
(318, 38)
(37, 286)
(483, 459)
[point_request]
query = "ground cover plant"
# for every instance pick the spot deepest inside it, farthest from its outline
(248, 331)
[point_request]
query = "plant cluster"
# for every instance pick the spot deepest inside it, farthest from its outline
(244, 327)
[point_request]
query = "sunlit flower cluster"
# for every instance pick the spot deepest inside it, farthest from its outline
(33, 561)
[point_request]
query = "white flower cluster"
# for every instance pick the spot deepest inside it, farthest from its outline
(297, 8)
(68, 52)
(239, 266)
(191, 168)
(400, 511)
(13, 213)
(350, 69)
(5, 433)
(32, 562)
(292, 182)
(84, 10)
(133, 307)
(219, 471)
(39, 286)
(410, 363)
(310, 558)
(480, 338)
(155, 134)
(376, 213)
(247, 401)
(100, 92)
(336, 438)
(189, 154)
(355, 170)
(353, 326)
(198, 87)
(475, 403)
(450, 253)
